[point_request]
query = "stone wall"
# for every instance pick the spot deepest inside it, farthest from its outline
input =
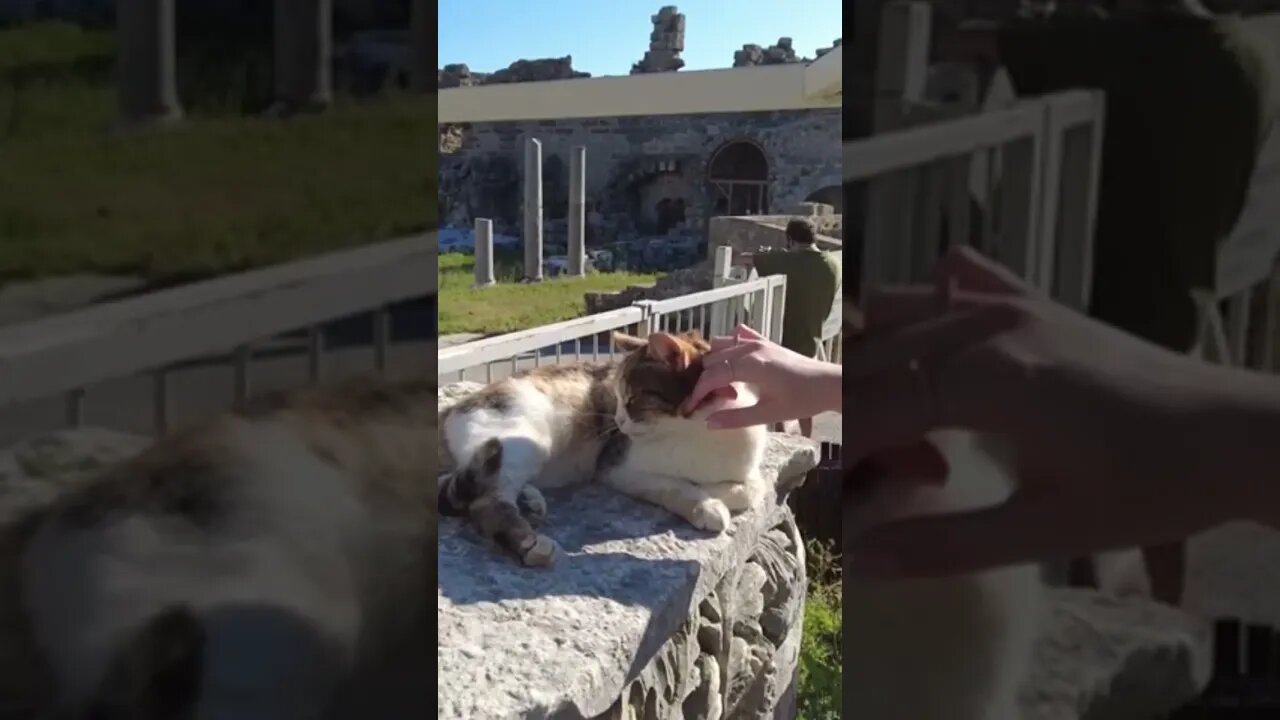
(749, 234)
(632, 164)
(641, 617)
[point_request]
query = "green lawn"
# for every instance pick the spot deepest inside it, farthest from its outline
(510, 306)
(820, 660)
(216, 193)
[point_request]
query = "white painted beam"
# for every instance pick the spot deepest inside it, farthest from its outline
(751, 89)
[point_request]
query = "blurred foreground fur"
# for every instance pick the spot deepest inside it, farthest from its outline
(274, 562)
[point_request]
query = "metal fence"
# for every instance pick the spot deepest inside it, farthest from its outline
(288, 309)
(759, 303)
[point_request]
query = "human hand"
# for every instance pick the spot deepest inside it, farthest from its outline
(790, 385)
(1095, 418)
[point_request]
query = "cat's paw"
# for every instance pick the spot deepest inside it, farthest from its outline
(736, 496)
(532, 502)
(538, 551)
(711, 515)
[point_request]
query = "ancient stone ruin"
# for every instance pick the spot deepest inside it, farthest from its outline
(641, 617)
(773, 55)
(666, 42)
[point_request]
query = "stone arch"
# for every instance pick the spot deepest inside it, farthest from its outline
(738, 173)
(832, 195)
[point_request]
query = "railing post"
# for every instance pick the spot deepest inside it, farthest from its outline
(484, 253)
(1077, 208)
(1238, 307)
(1270, 321)
(648, 320)
(719, 278)
(533, 209)
(1019, 206)
(901, 72)
(778, 308)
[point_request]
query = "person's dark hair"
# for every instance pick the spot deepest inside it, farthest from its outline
(801, 231)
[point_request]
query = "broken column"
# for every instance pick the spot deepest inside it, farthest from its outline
(303, 54)
(422, 43)
(484, 252)
(666, 42)
(146, 63)
(578, 211)
(533, 209)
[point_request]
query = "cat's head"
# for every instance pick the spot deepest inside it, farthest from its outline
(655, 377)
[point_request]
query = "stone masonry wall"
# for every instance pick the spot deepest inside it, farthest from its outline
(631, 163)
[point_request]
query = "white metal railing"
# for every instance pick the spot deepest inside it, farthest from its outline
(759, 303)
(161, 332)
(1030, 166)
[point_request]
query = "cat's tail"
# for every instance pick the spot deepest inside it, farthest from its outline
(470, 490)
(156, 674)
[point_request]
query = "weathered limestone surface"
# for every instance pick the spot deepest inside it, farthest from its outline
(641, 617)
(1102, 658)
(33, 472)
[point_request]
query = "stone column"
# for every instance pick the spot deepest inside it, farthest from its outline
(146, 73)
(533, 209)
(422, 43)
(578, 211)
(303, 54)
(484, 252)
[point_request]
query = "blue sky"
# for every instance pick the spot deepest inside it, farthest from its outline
(606, 36)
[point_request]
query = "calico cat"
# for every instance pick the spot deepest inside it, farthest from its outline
(618, 423)
(256, 566)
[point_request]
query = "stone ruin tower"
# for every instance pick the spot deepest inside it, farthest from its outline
(666, 42)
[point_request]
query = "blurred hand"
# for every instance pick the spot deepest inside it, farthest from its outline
(1102, 448)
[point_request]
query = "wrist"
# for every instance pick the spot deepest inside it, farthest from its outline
(828, 381)
(1231, 423)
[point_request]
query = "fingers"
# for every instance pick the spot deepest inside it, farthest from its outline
(939, 335)
(717, 372)
(1020, 530)
(960, 543)
(759, 414)
(740, 334)
(973, 272)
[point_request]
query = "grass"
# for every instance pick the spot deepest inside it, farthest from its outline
(510, 306)
(215, 194)
(820, 660)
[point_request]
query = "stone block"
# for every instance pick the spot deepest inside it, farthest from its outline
(643, 617)
(1103, 658)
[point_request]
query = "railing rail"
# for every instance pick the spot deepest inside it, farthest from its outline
(759, 303)
(1031, 168)
(160, 331)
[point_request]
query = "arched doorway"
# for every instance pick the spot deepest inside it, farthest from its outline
(832, 195)
(739, 176)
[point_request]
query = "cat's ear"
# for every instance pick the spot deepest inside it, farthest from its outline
(627, 342)
(669, 350)
(694, 338)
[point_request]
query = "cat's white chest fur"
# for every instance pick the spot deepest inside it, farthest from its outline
(941, 649)
(686, 448)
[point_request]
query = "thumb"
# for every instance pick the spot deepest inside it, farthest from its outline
(746, 332)
(740, 417)
(958, 543)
